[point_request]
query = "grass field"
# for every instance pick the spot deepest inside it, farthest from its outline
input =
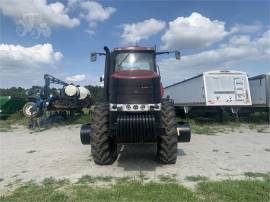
(211, 125)
(8, 124)
(127, 189)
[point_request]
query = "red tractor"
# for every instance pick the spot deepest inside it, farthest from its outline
(133, 110)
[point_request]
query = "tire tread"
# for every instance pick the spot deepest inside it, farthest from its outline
(103, 148)
(167, 143)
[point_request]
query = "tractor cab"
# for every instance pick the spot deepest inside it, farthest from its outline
(134, 79)
(131, 76)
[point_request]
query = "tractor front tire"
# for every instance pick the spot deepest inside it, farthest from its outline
(103, 147)
(167, 142)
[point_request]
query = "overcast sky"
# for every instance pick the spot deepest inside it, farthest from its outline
(56, 37)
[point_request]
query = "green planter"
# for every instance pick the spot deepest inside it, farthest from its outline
(10, 105)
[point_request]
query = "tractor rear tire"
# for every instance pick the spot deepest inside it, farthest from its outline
(167, 142)
(103, 147)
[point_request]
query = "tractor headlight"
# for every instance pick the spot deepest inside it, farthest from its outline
(128, 107)
(135, 107)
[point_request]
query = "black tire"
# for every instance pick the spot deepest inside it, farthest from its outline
(103, 147)
(85, 134)
(167, 142)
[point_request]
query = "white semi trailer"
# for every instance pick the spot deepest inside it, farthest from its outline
(260, 90)
(212, 89)
(260, 95)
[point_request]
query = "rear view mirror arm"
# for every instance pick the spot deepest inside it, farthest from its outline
(166, 52)
(99, 54)
(177, 53)
(94, 56)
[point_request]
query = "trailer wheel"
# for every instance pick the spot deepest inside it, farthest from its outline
(103, 147)
(27, 110)
(167, 142)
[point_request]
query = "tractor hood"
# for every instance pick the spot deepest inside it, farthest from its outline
(135, 74)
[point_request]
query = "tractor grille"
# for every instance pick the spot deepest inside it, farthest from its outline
(135, 128)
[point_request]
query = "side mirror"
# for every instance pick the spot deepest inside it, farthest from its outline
(177, 55)
(93, 57)
(101, 79)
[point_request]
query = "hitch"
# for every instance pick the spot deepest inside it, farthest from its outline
(183, 132)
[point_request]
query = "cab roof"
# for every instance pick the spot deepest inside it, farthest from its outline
(136, 48)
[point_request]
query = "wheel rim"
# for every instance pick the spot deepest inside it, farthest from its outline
(28, 112)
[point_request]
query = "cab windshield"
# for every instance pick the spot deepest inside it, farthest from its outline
(134, 61)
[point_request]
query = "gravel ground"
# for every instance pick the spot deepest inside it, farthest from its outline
(58, 153)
